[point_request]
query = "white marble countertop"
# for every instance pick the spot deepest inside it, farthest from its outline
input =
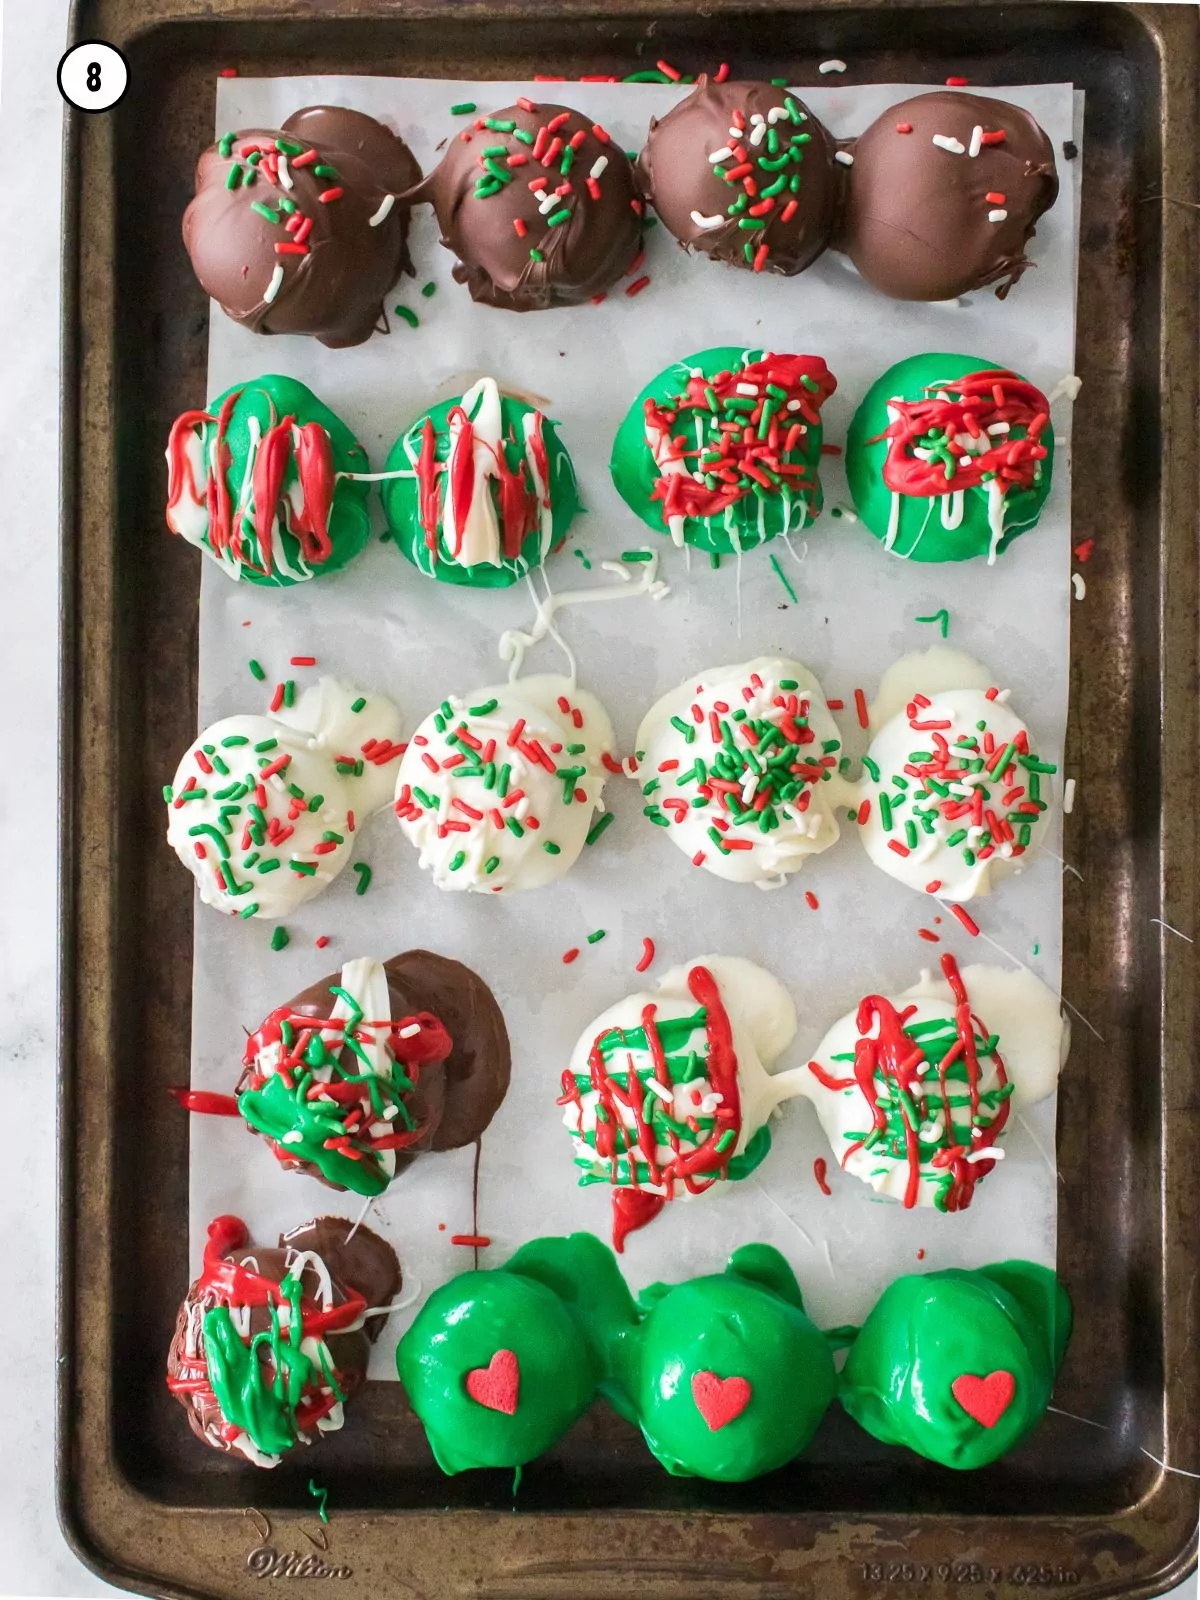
(34, 1558)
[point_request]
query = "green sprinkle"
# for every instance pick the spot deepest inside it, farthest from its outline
(457, 860)
(637, 555)
(406, 314)
(598, 827)
(280, 939)
(587, 565)
(464, 108)
(536, 255)
(942, 618)
(249, 911)
(783, 578)
(779, 83)
(595, 938)
(490, 865)
(550, 848)
(364, 877)
(557, 217)
(729, 1137)
(257, 670)
(358, 704)
(499, 126)
(428, 288)
(306, 869)
(714, 559)
(234, 176)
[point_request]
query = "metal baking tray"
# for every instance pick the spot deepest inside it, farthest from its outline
(1076, 1507)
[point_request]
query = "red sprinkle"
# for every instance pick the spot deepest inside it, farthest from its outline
(814, 903)
(519, 227)
(672, 72)
(836, 705)
(228, 72)
(933, 886)
(721, 73)
(322, 941)
(994, 197)
(570, 955)
(1083, 552)
(647, 954)
(904, 127)
(957, 83)
(860, 705)
(900, 849)
(326, 195)
(819, 1170)
(304, 661)
(966, 920)
(921, 1255)
(477, 1241)
(638, 285)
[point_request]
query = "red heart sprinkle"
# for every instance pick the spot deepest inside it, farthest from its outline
(496, 1385)
(719, 1400)
(985, 1399)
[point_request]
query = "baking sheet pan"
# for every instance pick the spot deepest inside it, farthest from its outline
(1079, 1506)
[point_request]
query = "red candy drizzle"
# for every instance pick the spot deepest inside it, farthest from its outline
(985, 399)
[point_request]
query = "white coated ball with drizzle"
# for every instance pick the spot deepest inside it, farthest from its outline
(954, 790)
(916, 1090)
(498, 788)
(736, 768)
(264, 808)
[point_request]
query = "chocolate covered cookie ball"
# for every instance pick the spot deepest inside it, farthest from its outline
(745, 173)
(539, 205)
(943, 196)
(299, 229)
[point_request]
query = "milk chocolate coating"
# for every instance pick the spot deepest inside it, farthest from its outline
(365, 1264)
(915, 222)
(334, 292)
(583, 256)
(454, 1100)
(681, 180)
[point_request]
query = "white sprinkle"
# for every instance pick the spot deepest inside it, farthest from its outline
(747, 388)
(976, 141)
(1078, 585)
(548, 201)
(992, 1153)
(390, 1111)
(793, 405)
(598, 166)
(756, 117)
(723, 154)
(945, 142)
(778, 114)
(832, 66)
(1068, 797)
(844, 157)
(385, 207)
(293, 1136)
(999, 427)
(410, 1032)
(998, 215)
(273, 287)
(1178, 932)
(660, 1090)
(758, 132)
(707, 223)
(285, 176)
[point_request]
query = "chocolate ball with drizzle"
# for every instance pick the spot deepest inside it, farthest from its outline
(298, 229)
(271, 1341)
(354, 1078)
(943, 195)
(539, 205)
(745, 173)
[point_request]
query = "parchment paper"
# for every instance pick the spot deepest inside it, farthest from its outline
(383, 626)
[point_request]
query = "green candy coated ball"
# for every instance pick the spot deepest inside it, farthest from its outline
(754, 519)
(495, 1369)
(920, 532)
(264, 402)
(402, 498)
(732, 1378)
(957, 1365)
